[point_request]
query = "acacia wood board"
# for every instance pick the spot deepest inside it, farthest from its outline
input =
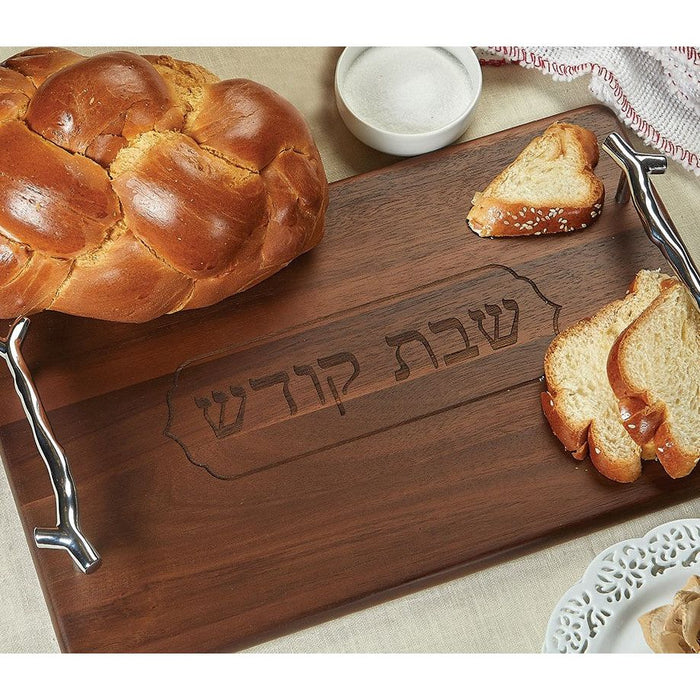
(364, 423)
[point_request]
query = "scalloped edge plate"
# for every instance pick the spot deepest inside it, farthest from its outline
(599, 613)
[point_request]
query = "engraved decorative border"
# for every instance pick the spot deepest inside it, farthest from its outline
(613, 578)
(168, 432)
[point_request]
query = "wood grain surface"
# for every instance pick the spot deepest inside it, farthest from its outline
(363, 423)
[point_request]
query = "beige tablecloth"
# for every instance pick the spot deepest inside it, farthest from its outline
(503, 608)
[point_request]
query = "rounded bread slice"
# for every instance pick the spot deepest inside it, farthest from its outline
(549, 188)
(654, 370)
(579, 403)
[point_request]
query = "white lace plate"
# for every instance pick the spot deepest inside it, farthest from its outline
(599, 614)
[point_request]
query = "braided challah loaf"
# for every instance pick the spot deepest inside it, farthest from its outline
(135, 186)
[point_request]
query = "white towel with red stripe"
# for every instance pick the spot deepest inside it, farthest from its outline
(653, 90)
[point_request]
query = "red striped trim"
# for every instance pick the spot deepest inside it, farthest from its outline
(493, 61)
(690, 52)
(632, 117)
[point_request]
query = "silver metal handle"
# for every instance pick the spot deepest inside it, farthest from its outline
(66, 535)
(636, 183)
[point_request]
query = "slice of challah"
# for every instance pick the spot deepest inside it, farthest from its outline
(654, 369)
(549, 188)
(580, 404)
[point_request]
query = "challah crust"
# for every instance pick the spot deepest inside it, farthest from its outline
(646, 415)
(135, 186)
(549, 188)
(579, 403)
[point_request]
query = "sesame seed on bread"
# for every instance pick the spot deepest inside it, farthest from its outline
(549, 188)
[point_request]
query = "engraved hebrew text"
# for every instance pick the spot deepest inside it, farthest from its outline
(360, 371)
(496, 340)
(400, 339)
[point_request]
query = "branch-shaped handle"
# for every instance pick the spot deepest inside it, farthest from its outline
(66, 535)
(657, 223)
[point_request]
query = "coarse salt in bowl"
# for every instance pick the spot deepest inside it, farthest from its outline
(406, 100)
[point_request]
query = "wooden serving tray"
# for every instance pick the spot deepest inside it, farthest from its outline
(363, 423)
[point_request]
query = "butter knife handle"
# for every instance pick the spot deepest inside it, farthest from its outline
(655, 219)
(66, 535)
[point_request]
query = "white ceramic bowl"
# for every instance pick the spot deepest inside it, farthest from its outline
(410, 101)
